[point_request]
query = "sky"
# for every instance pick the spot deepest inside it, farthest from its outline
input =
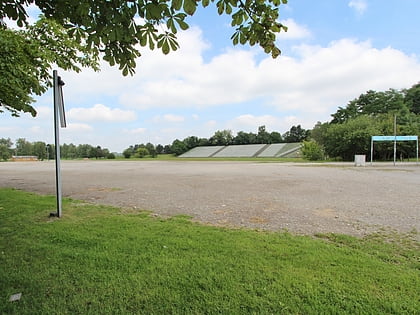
(334, 51)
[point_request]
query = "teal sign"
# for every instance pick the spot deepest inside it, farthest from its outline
(393, 138)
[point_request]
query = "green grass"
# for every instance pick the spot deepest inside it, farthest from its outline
(104, 260)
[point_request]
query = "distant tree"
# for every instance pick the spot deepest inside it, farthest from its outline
(142, 152)
(127, 153)
(371, 103)
(318, 132)
(178, 147)
(151, 148)
(191, 142)
(110, 156)
(245, 138)
(167, 149)
(105, 152)
(412, 98)
(159, 149)
(40, 150)
(221, 137)
(4, 153)
(275, 137)
(296, 134)
(203, 142)
(5, 149)
(84, 150)
(350, 138)
(50, 151)
(23, 147)
(263, 136)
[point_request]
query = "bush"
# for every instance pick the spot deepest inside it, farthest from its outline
(127, 153)
(110, 156)
(142, 152)
(312, 151)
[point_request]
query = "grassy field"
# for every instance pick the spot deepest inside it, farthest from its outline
(103, 260)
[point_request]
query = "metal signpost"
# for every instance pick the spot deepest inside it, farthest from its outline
(59, 114)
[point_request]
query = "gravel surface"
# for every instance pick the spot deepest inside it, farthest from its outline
(301, 198)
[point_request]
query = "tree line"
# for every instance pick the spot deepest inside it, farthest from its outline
(45, 151)
(371, 114)
(220, 138)
(348, 133)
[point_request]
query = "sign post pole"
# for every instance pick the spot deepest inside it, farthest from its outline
(58, 115)
(395, 138)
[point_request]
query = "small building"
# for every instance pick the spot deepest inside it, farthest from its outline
(24, 158)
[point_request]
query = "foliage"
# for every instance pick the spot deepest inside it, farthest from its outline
(296, 134)
(412, 98)
(312, 151)
(102, 260)
(119, 28)
(47, 151)
(221, 137)
(350, 138)
(127, 153)
(27, 57)
(371, 103)
(372, 113)
(78, 32)
(5, 149)
(142, 152)
(178, 147)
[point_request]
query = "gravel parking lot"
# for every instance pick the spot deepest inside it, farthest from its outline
(302, 198)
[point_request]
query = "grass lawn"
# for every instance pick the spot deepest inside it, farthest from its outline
(104, 260)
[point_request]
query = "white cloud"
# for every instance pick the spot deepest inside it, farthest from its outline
(322, 78)
(316, 81)
(77, 127)
(135, 131)
(360, 6)
(44, 112)
(100, 112)
(36, 129)
(169, 118)
(7, 129)
(294, 30)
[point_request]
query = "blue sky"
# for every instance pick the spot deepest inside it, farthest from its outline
(334, 51)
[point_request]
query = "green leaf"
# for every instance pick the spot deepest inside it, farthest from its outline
(184, 26)
(165, 47)
(190, 6)
(176, 4)
(171, 25)
(220, 7)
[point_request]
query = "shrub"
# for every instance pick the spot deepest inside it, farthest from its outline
(142, 152)
(312, 151)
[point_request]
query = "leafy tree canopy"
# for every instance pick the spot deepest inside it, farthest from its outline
(371, 103)
(27, 57)
(117, 30)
